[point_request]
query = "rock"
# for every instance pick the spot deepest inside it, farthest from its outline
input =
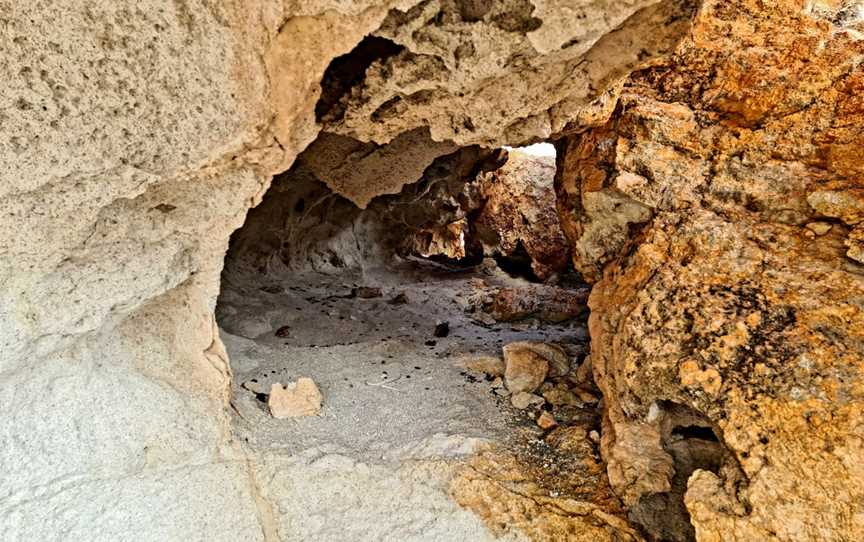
(557, 358)
(546, 421)
(447, 240)
(525, 369)
(519, 214)
(515, 503)
(839, 201)
(855, 244)
(399, 299)
(523, 400)
(638, 465)
(547, 303)
(361, 170)
(691, 375)
(301, 398)
(559, 397)
(586, 396)
(366, 292)
(490, 365)
(707, 298)
(583, 373)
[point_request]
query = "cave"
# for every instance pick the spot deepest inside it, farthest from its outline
(403, 309)
(286, 271)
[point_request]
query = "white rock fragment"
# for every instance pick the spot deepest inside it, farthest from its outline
(301, 398)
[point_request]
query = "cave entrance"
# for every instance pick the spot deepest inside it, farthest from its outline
(398, 308)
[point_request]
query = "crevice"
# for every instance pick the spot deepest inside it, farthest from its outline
(348, 70)
(694, 443)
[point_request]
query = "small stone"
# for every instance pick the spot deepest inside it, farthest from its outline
(523, 400)
(546, 420)
(855, 242)
(559, 397)
(524, 368)
(301, 398)
(497, 382)
(399, 299)
(584, 372)
(594, 436)
(484, 318)
(502, 392)
(586, 396)
(366, 292)
(491, 365)
(272, 289)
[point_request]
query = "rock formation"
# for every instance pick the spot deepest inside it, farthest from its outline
(714, 197)
(727, 284)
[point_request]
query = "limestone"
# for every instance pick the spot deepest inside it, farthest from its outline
(519, 213)
(714, 300)
(523, 399)
(558, 361)
(359, 171)
(300, 398)
(449, 76)
(136, 135)
(491, 365)
(525, 369)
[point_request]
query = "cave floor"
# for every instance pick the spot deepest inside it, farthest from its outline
(369, 341)
(397, 398)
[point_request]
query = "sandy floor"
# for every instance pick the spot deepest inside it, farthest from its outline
(393, 391)
(389, 383)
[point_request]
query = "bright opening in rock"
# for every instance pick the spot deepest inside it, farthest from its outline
(402, 313)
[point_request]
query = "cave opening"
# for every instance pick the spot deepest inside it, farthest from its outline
(400, 309)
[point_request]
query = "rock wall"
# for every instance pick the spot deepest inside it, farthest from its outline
(718, 211)
(135, 137)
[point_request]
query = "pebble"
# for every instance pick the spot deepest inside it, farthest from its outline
(546, 420)
(523, 400)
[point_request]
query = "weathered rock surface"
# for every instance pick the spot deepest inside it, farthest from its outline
(462, 63)
(518, 214)
(713, 297)
(554, 490)
(524, 367)
(136, 135)
(547, 303)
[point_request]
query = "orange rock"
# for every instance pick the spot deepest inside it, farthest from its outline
(546, 420)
